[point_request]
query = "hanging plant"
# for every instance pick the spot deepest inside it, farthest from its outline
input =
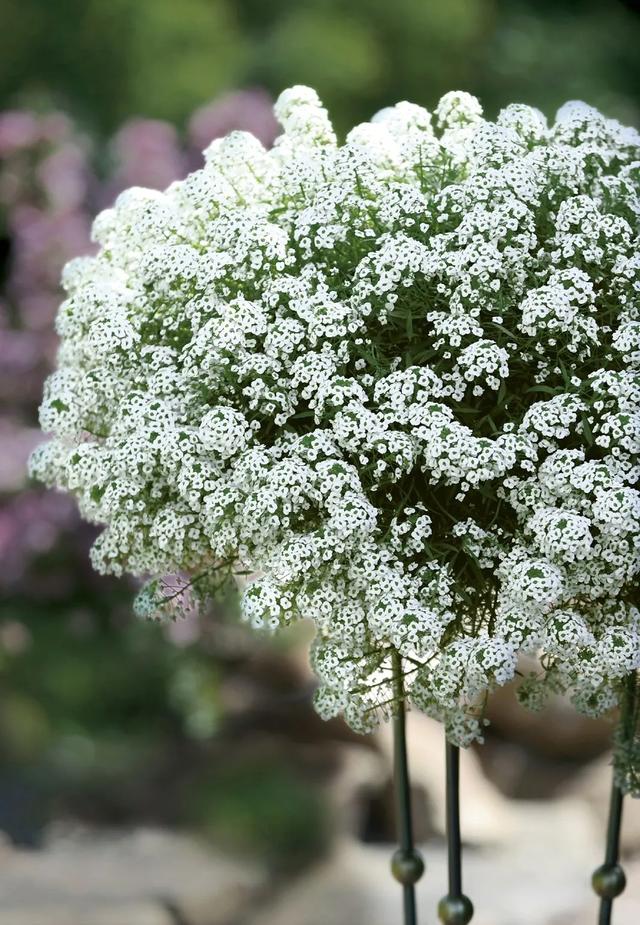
(391, 386)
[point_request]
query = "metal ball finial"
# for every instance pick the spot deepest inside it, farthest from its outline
(609, 881)
(455, 910)
(407, 866)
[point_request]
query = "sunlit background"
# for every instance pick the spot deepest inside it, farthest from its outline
(151, 774)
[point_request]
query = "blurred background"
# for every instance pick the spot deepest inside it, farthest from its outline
(177, 775)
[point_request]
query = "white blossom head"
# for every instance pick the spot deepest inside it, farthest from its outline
(391, 386)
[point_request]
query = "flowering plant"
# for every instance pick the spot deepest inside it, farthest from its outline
(393, 385)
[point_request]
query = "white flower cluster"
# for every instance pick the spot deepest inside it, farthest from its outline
(394, 383)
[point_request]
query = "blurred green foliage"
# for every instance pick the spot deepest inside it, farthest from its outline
(90, 700)
(260, 805)
(108, 60)
(108, 719)
(88, 679)
(105, 61)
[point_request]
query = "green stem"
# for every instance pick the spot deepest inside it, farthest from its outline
(454, 845)
(455, 908)
(609, 879)
(407, 864)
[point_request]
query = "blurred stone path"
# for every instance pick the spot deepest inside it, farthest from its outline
(538, 877)
(143, 877)
(525, 862)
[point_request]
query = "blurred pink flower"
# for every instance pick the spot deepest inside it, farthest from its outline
(30, 525)
(43, 241)
(17, 130)
(147, 153)
(24, 362)
(17, 442)
(64, 177)
(248, 110)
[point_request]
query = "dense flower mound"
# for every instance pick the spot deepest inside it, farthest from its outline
(393, 384)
